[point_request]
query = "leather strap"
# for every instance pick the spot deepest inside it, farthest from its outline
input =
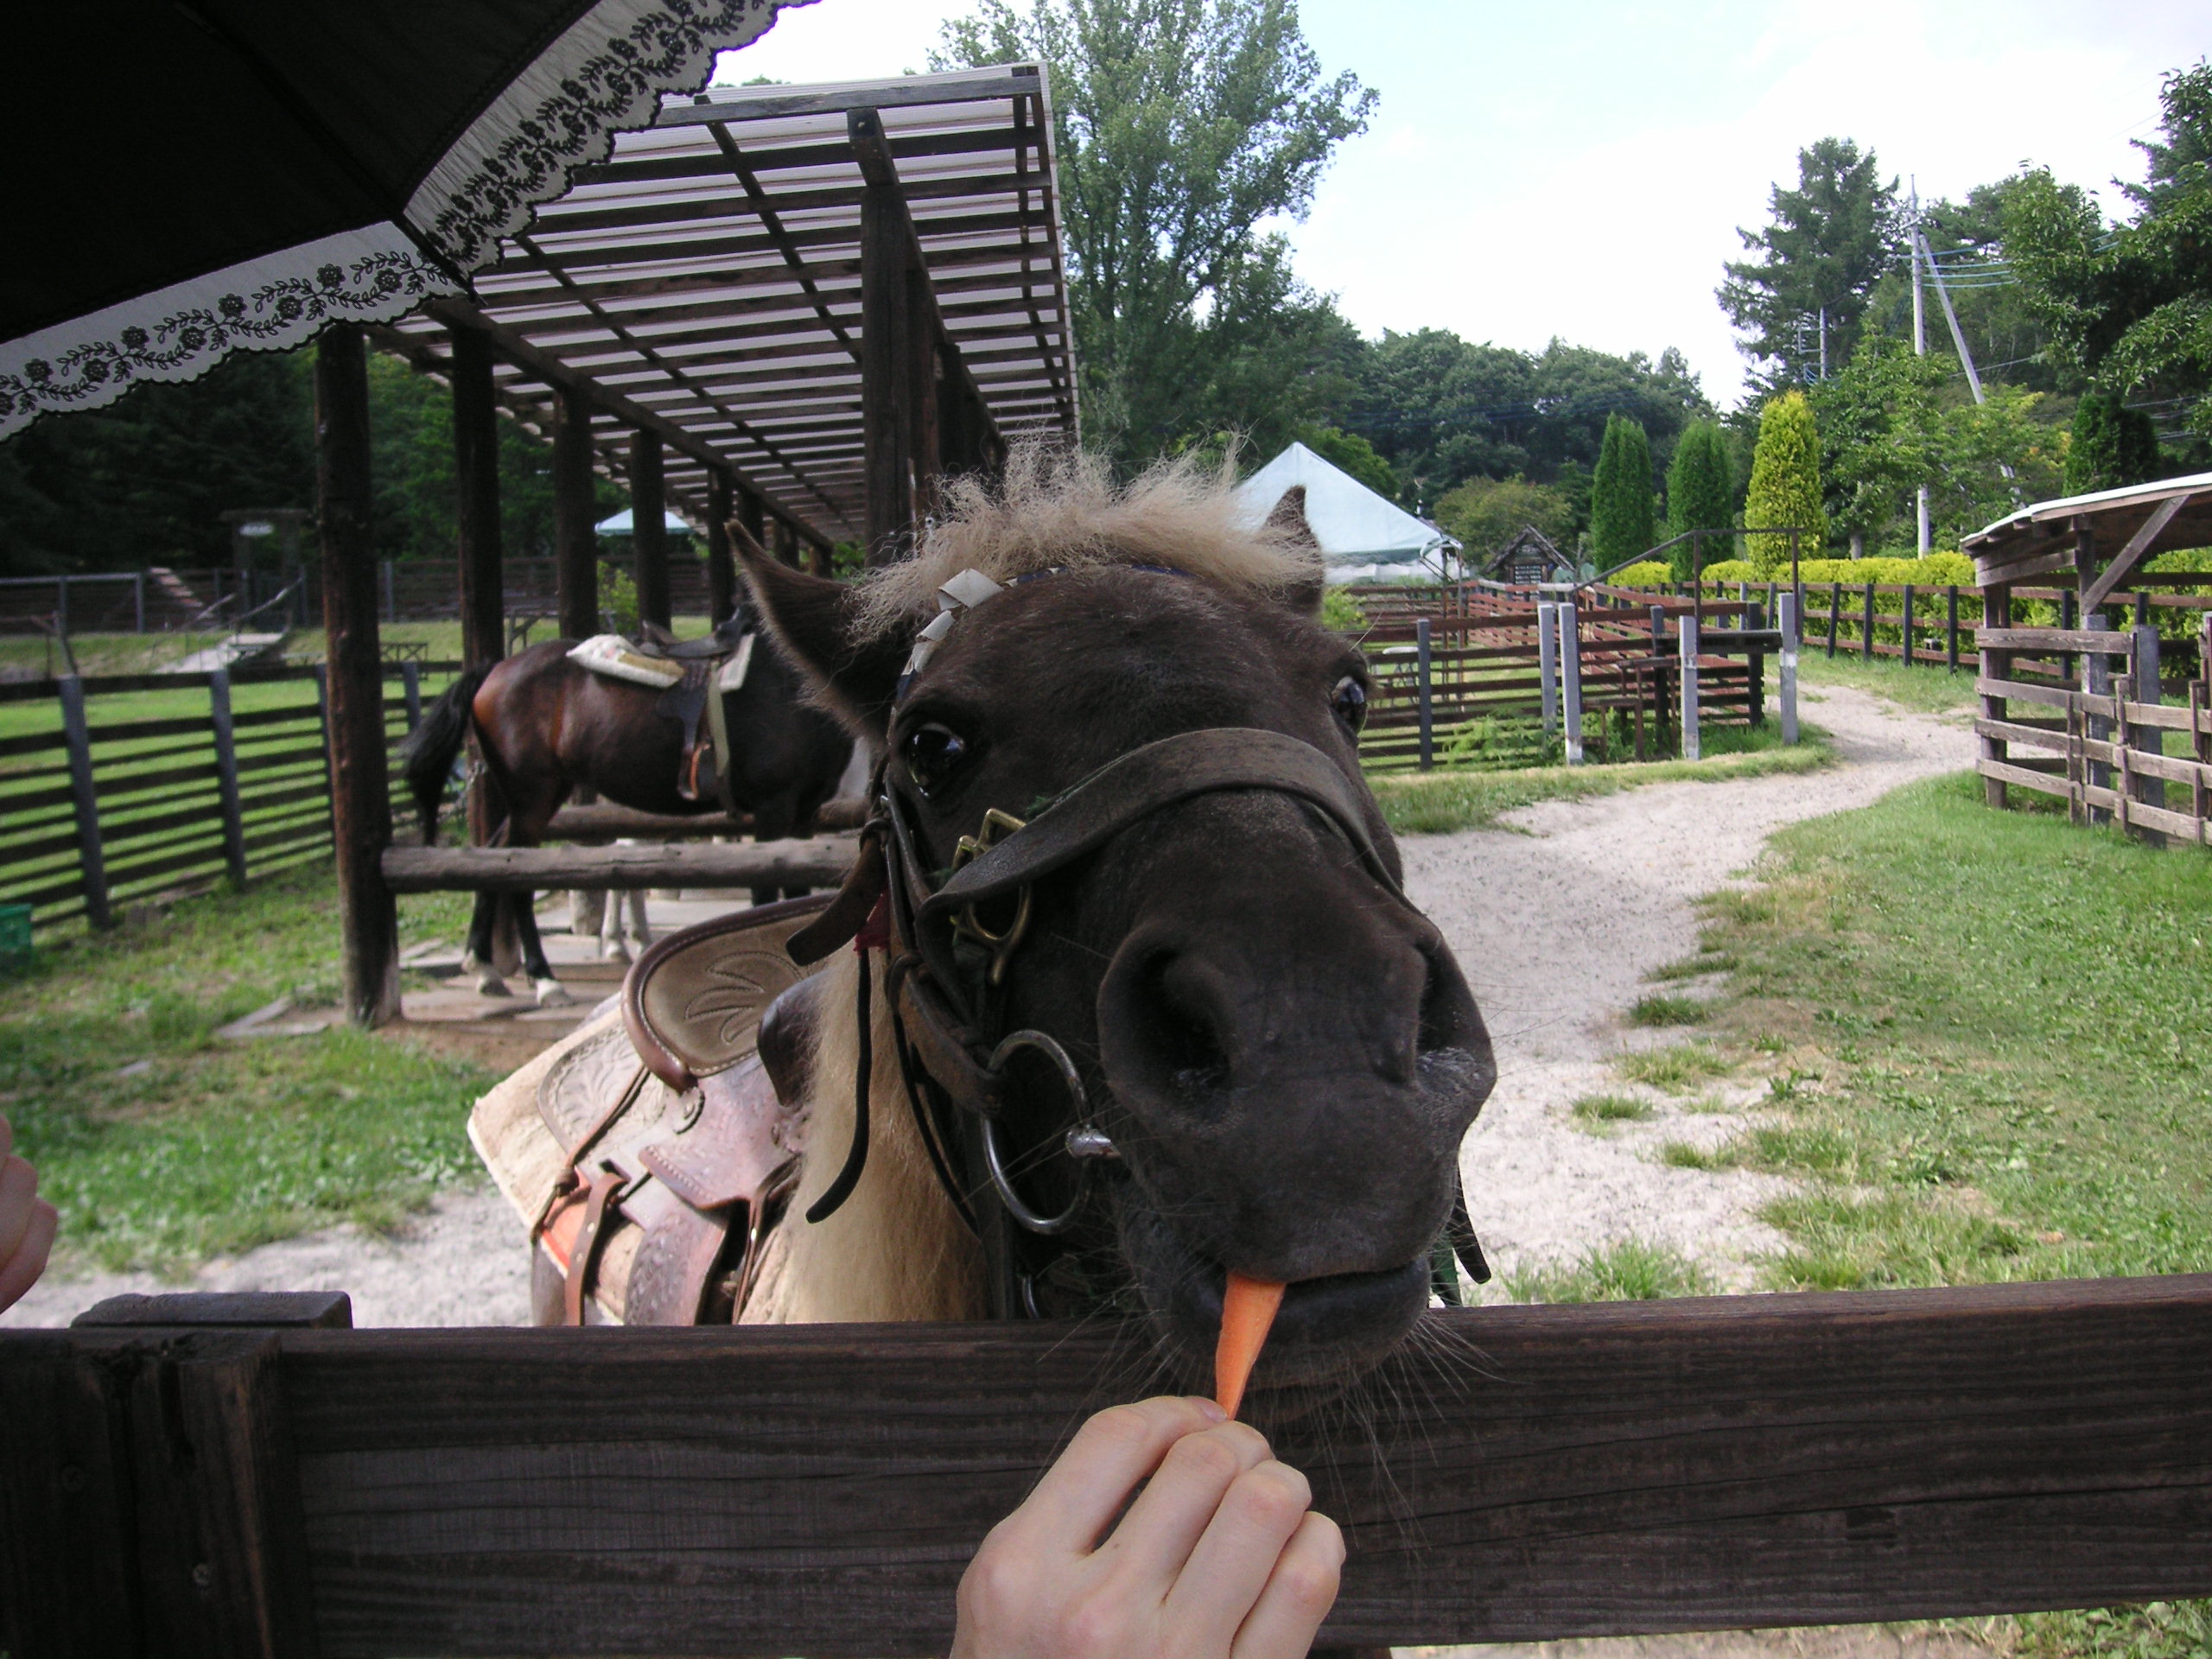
(584, 1253)
(850, 910)
(1144, 781)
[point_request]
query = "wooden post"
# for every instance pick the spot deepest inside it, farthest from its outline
(1786, 615)
(476, 501)
(1835, 613)
(2145, 738)
(1951, 628)
(1569, 623)
(576, 544)
(887, 325)
(721, 565)
(753, 513)
(360, 794)
(649, 527)
(1908, 625)
(226, 774)
(1996, 612)
(1691, 747)
(411, 690)
(1659, 643)
(92, 866)
(1547, 663)
(138, 599)
(1420, 670)
(1866, 626)
(1753, 620)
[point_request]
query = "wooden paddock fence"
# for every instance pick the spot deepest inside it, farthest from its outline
(205, 1478)
(106, 808)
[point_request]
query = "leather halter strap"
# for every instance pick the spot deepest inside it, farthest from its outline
(1145, 780)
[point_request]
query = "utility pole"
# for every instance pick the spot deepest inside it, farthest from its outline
(1824, 342)
(1919, 349)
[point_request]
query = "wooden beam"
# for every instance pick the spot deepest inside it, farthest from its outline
(769, 103)
(605, 820)
(1529, 1473)
(2124, 562)
(360, 794)
(721, 565)
(887, 354)
(819, 862)
(476, 500)
(649, 527)
(575, 510)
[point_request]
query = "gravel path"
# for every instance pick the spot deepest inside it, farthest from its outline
(1556, 920)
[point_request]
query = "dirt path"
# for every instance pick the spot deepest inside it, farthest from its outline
(1556, 921)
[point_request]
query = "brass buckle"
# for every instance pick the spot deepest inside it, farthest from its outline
(997, 825)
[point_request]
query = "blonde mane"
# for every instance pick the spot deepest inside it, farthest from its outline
(1061, 508)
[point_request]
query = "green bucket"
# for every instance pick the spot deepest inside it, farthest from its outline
(14, 933)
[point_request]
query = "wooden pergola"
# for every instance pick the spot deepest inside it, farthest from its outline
(794, 306)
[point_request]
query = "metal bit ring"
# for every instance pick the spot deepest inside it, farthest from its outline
(995, 1159)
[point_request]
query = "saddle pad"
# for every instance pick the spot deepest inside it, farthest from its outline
(616, 657)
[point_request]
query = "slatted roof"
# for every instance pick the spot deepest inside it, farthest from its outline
(705, 279)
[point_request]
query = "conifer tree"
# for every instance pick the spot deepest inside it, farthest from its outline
(1701, 495)
(1786, 485)
(2110, 446)
(1620, 494)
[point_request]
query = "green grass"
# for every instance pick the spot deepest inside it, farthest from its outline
(1436, 803)
(217, 1146)
(1675, 1068)
(1611, 1109)
(1662, 1009)
(1629, 1271)
(1718, 961)
(1934, 690)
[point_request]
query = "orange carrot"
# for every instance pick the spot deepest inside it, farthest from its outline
(1247, 1309)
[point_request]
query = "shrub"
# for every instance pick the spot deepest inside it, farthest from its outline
(1343, 613)
(1485, 513)
(1785, 487)
(1701, 495)
(1620, 495)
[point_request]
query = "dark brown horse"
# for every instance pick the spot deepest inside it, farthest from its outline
(1271, 1057)
(544, 726)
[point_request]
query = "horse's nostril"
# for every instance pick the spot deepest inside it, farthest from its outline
(1180, 1027)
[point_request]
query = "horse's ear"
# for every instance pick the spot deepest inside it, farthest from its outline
(816, 623)
(1287, 524)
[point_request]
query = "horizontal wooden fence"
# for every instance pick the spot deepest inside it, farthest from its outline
(1524, 1473)
(129, 787)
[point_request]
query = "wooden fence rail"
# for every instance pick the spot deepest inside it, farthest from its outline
(1535, 1472)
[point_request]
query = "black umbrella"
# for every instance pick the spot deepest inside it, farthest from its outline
(187, 178)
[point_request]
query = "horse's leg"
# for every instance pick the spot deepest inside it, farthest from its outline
(476, 957)
(774, 820)
(641, 932)
(551, 993)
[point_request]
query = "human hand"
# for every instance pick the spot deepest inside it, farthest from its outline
(26, 1222)
(1219, 1557)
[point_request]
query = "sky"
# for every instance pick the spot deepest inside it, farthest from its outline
(1580, 169)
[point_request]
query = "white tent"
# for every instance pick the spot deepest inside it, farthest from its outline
(619, 524)
(1362, 536)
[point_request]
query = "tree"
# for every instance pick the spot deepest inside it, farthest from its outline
(2131, 305)
(1701, 495)
(1181, 125)
(1485, 513)
(2111, 446)
(1620, 495)
(1828, 242)
(1785, 489)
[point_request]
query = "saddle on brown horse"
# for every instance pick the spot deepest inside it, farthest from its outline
(651, 1152)
(693, 677)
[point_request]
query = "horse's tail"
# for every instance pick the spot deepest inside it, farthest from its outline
(427, 755)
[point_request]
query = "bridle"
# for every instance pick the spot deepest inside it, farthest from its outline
(949, 949)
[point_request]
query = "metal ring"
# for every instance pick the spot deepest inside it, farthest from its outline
(995, 1161)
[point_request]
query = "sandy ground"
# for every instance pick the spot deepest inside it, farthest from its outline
(1555, 920)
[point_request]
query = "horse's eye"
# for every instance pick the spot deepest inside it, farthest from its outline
(933, 754)
(1349, 702)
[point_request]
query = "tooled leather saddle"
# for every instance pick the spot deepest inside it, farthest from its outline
(679, 1127)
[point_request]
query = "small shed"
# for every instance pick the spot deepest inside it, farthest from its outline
(1530, 556)
(1363, 537)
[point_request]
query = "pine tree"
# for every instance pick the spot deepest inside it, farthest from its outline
(1786, 484)
(1701, 495)
(2110, 446)
(1620, 495)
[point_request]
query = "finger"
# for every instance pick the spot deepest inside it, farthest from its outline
(1230, 1566)
(1298, 1594)
(1089, 1482)
(1155, 1538)
(20, 1271)
(18, 1193)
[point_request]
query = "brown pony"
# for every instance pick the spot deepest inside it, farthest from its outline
(544, 726)
(1280, 1048)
